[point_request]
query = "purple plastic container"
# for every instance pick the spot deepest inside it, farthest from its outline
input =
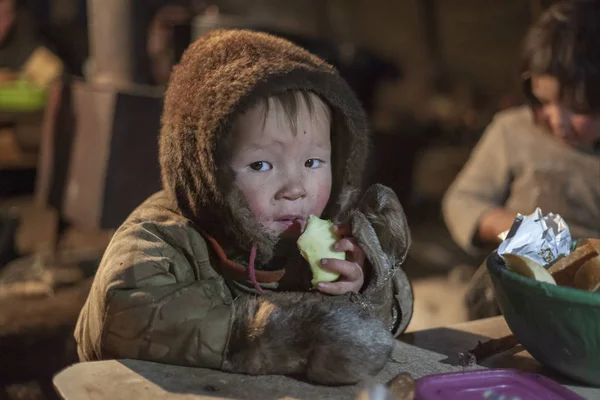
(491, 384)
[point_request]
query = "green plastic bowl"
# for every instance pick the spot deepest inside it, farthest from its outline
(21, 96)
(559, 326)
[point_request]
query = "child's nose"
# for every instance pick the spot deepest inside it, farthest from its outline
(292, 191)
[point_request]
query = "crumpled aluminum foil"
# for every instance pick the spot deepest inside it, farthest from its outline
(540, 238)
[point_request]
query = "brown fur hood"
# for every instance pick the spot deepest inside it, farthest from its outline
(220, 76)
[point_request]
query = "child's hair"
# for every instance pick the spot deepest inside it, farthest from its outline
(565, 44)
(290, 100)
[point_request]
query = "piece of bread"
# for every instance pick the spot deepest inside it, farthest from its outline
(42, 67)
(587, 276)
(564, 269)
(595, 243)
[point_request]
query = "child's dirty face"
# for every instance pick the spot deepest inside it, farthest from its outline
(285, 174)
(569, 125)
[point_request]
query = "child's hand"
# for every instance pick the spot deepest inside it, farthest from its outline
(493, 223)
(351, 270)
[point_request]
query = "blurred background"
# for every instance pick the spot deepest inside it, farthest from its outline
(81, 86)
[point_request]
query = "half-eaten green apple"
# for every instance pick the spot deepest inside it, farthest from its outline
(316, 243)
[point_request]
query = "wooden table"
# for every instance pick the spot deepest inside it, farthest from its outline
(420, 353)
(458, 338)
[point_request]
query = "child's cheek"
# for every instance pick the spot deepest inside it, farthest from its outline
(255, 202)
(587, 128)
(323, 196)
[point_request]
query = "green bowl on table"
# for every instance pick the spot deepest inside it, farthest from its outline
(21, 96)
(559, 326)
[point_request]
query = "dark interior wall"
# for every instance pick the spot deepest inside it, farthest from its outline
(479, 39)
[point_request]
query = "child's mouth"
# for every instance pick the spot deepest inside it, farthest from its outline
(292, 223)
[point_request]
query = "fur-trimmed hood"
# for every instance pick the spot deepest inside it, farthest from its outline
(220, 76)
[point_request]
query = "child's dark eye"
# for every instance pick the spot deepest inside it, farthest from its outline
(261, 166)
(313, 163)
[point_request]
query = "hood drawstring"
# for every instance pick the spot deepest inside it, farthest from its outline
(252, 271)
